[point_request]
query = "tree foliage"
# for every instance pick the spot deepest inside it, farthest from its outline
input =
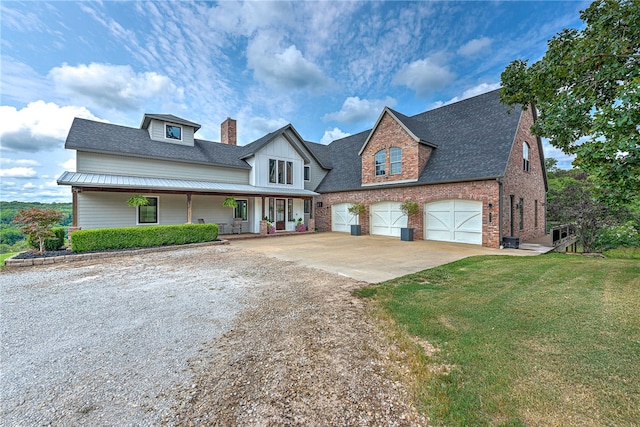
(38, 223)
(570, 199)
(586, 89)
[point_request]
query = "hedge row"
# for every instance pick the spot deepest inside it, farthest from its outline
(100, 239)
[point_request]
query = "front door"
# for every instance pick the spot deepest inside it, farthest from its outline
(280, 214)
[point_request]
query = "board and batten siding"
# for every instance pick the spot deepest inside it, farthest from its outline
(97, 209)
(157, 132)
(279, 149)
(130, 166)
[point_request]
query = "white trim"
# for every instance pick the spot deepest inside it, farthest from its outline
(390, 182)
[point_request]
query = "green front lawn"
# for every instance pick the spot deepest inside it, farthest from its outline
(546, 340)
(5, 256)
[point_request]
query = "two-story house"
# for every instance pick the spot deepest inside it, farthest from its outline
(475, 170)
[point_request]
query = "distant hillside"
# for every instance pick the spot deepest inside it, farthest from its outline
(9, 209)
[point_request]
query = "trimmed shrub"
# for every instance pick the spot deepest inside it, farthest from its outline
(101, 239)
(51, 243)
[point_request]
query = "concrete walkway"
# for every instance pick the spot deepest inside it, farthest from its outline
(371, 259)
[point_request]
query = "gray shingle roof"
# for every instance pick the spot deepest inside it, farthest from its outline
(167, 118)
(87, 135)
(321, 153)
(473, 137)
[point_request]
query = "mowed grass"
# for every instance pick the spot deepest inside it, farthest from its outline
(551, 340)
(5, 256)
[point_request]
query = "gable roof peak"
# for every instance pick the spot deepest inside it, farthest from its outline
(416, 129)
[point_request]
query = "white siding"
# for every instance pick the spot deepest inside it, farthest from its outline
(132, 166)
(279, 149)
(106, 210)
(157, 132)
(211, 210)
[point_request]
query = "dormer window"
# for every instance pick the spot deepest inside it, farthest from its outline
(173, 132)
(380, 162)
(395, 163)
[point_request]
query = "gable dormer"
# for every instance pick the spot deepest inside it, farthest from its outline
(396, 150)
(169, 128)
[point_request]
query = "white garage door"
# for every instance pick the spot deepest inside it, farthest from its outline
(387, 219)
(341, 219)
(457, 221)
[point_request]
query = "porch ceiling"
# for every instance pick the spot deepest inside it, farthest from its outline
(79, 179)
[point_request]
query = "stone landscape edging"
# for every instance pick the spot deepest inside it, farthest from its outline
(12, 262)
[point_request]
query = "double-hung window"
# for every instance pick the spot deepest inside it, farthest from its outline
(395, 163)
(380, 162)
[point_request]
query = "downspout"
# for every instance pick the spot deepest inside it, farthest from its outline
(500, 211)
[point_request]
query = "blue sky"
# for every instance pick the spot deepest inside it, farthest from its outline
(328, 67)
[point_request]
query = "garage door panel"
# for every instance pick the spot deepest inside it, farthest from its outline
(387, 219)
(468, 221)
(439, 220)
(341, 218)
(454, 221)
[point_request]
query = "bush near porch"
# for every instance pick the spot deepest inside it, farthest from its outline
(142, 237)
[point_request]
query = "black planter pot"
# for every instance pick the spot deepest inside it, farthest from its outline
(356, 230)
(406, 234)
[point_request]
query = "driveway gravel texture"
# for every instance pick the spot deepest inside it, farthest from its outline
(213, 335)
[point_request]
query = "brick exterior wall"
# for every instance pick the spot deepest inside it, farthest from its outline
(528, 186)
(389, 133)
(484, 191)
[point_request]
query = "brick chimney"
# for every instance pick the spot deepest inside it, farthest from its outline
(228, 132)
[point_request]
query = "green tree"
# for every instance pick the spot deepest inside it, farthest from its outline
(37, 223)
(586, 90)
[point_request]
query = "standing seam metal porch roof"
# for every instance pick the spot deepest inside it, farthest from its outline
(79, 179)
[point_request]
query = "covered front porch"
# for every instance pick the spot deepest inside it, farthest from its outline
(100, 201)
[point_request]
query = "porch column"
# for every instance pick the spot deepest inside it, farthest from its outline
(74, 206)
(188, 208)
(263, 215)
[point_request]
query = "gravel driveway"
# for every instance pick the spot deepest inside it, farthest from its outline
(211, 335)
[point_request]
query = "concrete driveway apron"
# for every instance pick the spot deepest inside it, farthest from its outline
(371, 259)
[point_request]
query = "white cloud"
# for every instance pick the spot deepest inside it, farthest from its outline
(424, 75)
(17, 173)
(20, 162)
(476, 90)
(356, 110)
(69, 165)
(113, 86)
(39, 126)
(28, 185)
(287, 69)
(332, 135)
(475, 46)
